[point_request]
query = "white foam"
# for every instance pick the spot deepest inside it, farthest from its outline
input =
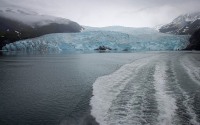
(166, 103)
(107, 88)
(111, 104)
(187, 100)
(192, 70)
(189, 107)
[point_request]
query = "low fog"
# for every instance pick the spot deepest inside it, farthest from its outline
(131, 13)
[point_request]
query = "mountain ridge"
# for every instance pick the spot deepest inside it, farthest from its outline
(185, 24)
(18, 24)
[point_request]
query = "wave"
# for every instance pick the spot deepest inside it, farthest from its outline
(184, 102)
(166, 103)
(146, 91)
(192, 70)
(107, 89)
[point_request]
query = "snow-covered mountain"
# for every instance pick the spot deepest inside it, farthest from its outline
(183, 24)
(19, 23)
(29, 17)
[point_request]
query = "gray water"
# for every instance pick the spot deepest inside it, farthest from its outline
(106, 88)
(52, 89)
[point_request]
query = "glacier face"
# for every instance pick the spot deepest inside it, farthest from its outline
(116, 38)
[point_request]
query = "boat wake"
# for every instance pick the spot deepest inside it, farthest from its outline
(144, 92)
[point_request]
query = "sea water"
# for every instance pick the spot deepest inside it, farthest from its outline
(100, 88)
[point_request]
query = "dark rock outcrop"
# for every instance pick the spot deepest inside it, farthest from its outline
(103, 48)
(194, 41)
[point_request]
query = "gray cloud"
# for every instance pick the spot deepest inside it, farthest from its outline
(134, 13)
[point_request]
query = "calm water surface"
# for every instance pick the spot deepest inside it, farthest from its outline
(52, 89)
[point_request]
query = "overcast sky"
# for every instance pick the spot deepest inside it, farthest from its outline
(132, 13)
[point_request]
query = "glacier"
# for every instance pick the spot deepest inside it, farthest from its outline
(116, 38)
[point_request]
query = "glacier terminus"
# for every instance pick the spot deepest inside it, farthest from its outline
(115, 37)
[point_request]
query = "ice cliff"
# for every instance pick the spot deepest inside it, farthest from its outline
(116, 38)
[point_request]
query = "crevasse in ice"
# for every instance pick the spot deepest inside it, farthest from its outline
(91, 39)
